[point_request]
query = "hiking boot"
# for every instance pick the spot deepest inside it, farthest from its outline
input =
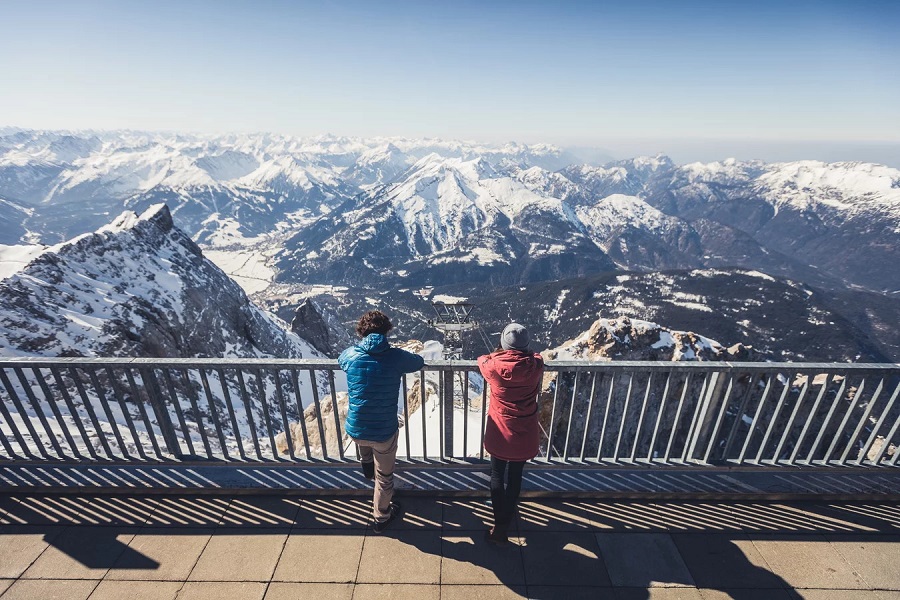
(395, 511)
(496, 537)
(369, 470)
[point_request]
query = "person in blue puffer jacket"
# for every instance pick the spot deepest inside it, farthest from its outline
(374, 371)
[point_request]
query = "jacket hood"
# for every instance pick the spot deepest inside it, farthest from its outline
(374, 343)
(514, 364)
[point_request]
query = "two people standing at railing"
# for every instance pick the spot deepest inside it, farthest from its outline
(512, 434)
(374, 370)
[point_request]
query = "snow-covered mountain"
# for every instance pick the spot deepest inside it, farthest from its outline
(138, 287)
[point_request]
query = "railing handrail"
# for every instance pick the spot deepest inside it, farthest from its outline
(449, 365)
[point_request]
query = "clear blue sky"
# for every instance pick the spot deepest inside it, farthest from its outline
(582, 73)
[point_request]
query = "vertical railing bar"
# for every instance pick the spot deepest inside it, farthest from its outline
(587, 419)
(828, 417)
(556, 385)
(198, 416)
(226, 394)
(786, 432)
(57, 414)
(640, 423)
(845, 420)
(126, 414)
(23, 446)
(423, 395)
(571, 414)
(4, 413)
(144, 415)
(173, 395)
(247, 399)
(160, 411)
(35, 403)
(484, 401)
(261, 392)
(659, 416)
(684, 393)
(406, 414)
(736, 425)
(720, 419)
(89, 408)
(104, 403)
(442, 442)
(877, 428)
(759, 408)
(465, 387)
(609, 397)
(70, 405)
(321, 424)
(337, 415)
(693, 425)
(863, 420)
(810, 418)
(282, 407)
(295, 381)
(624, 414)
(887, 440)
(214, 413)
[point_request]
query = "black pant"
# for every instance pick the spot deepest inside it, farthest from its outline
(505, 498)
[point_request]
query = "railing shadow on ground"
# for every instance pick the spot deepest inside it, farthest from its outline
(560, 549)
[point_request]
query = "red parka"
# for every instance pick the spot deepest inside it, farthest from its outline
(512, 432)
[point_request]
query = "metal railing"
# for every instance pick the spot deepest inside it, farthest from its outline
(613, 413)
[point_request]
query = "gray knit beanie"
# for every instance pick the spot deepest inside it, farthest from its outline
(514, 337)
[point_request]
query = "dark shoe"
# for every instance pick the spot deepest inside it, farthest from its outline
(495, 537)
(369, 470)
(396, 511)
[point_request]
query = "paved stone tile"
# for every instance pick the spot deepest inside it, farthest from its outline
(5, 583)
(320, 556)
(122, 510)
(725, 560)
(50, 589)
(237, 555)
(563, 558)
(401, 557)
(45, 510)
(468, 515)
(771, 517)
(161, 554)
(843, 595)
(643, 560)
(553, 515)
(400, 591)
(81, 553)
(470, 559)
(697, 516)
(214, 590)
(20, 546)
(623, 516)
(318, 591)
(657, 593)
(746, 594)
(142, 590)
(486, 592)
(808, 561)
(261, 511)
(334, 513)
(420, 513)
(850, 517)
(557, 592)
(188, 511)
(875, 558)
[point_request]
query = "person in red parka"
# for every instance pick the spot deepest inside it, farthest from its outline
(512, 434)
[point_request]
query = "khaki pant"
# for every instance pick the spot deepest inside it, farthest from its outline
(384, 454)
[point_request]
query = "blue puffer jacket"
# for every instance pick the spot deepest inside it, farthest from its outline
(373, 372)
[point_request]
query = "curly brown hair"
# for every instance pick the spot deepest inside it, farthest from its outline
(373, 321)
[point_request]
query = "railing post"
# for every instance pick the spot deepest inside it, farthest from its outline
(708, 412)
(447, 376)
(162, 414)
